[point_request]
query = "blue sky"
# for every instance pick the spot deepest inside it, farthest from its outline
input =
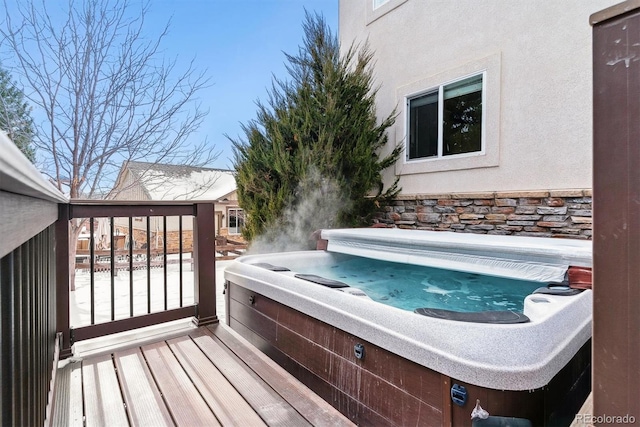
(241, 44)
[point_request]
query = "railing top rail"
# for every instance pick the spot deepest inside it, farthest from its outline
(127, 208)
(89, 202)
(130, 210)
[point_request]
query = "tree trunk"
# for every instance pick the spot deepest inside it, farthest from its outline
(74, 231)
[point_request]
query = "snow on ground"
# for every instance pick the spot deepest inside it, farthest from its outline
(80, 299)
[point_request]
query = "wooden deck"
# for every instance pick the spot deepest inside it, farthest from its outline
(205, 377)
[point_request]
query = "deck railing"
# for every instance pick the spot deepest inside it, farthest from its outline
(35, 272)
(35, 294)
(150, 298)
(35, 288)
(28, 350)
(28, 328)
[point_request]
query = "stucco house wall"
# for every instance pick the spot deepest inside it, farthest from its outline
(537, 100)
(538, 87)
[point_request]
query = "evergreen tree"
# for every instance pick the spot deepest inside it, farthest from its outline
(317, 134)
(15, 118)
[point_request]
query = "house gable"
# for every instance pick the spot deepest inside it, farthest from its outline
(155, 181)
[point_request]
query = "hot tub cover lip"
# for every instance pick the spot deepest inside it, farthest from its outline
(528, 258)
(578, 252)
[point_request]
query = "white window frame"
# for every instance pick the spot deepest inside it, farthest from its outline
(378, 3)
(492, 81)
(375, 11)
(236, 230)
(440, 89)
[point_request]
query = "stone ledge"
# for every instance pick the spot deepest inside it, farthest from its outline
(422, 196)
(567, 193)
(483, 195)
(402, 197)
(521, 194)
(586, 192)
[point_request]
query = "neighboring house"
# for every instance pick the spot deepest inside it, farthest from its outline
(494, 103)
(154, 181)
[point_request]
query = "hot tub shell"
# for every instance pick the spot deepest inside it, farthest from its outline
(522, 363)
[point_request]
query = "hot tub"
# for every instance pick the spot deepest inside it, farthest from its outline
(380, 364)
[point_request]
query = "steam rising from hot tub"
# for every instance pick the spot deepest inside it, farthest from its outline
(317, 203)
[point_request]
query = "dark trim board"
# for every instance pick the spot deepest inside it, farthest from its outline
(616, 211)
(130, 323)
(383, 388)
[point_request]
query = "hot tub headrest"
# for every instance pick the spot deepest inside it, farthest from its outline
(270, 266)
(558, 289)
(499, 317)
(330, 283)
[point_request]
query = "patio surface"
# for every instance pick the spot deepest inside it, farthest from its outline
(206, 376)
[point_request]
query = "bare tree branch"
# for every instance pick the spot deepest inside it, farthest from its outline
(107, 93)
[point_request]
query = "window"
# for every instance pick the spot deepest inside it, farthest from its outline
(378, 8)
(451, 157)
(236, 220)
(447, 120)
(378, 3)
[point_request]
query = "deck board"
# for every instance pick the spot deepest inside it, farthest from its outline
(103, 401)
(60, 413)
(76, 417)
(270, 405)
(227, 404)
(311, 406)
(67, 411)
(141, 395)
(206, 377)
(185, 403)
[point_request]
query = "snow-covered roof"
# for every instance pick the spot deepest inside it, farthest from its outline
(177, 182)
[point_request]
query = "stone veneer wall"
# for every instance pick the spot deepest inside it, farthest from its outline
(553, 213)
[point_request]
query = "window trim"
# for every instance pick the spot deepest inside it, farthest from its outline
(490, 156)
(440, 90)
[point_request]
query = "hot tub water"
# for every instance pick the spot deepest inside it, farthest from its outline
(408, 287)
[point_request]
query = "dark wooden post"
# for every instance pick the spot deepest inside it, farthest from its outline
(616, 226)
(204, 252)
(62, 279)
